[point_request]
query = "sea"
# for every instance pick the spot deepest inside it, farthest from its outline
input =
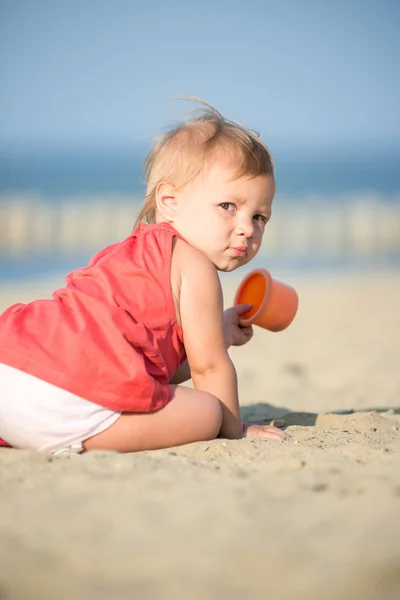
(330, 178)
(57, 173)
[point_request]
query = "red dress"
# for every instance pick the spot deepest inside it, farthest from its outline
(110, 335)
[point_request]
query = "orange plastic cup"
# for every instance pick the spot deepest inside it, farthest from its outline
(274, 303)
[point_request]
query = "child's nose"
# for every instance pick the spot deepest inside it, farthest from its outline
(246, 228)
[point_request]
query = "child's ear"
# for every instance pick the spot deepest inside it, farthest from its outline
(166, 201)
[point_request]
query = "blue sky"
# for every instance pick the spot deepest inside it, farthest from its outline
(300, 72)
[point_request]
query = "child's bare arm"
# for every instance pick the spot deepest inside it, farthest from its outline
(234, 335)
(201, 311)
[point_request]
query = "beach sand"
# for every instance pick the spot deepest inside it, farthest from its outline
(316, 517)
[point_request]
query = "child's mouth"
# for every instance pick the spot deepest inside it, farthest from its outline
(239, 251)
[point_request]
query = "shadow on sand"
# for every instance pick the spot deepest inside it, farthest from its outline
(266, 414)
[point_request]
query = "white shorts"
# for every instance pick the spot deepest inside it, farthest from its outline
(36, 415)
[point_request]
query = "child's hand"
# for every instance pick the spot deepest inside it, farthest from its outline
(235, 335)
(252, 430)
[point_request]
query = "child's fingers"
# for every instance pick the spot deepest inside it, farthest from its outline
(242, 308)
(247, 331)
(266, 432)
(273, 433)
(240, 335)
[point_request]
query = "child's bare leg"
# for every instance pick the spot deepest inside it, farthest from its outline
(191, 416)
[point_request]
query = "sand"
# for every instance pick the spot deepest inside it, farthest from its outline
(315, 517)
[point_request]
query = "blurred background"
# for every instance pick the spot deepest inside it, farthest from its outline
(86, 85)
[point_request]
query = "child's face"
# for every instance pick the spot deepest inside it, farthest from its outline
(225, 218)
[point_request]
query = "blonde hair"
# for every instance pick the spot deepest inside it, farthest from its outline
(181, 153)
